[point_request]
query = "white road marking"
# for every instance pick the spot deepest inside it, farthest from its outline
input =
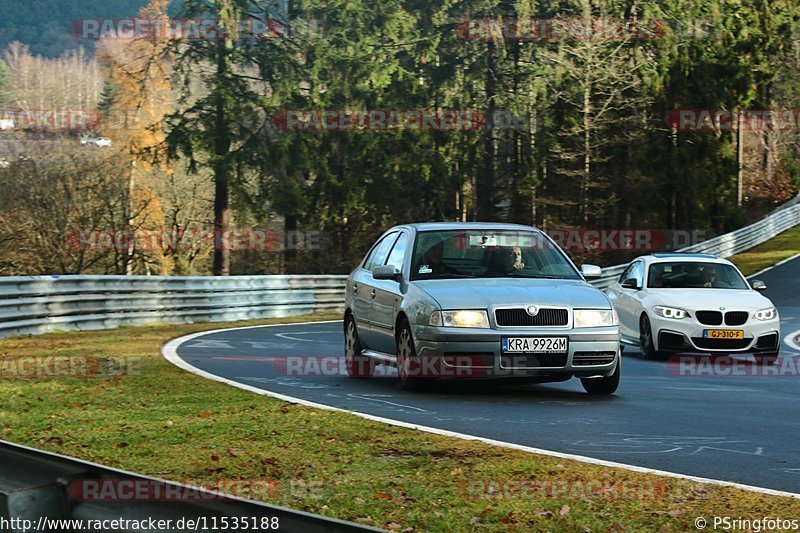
(170, 353)
(291, 338)
(713, 389)
(212, 343)
(792, 340)
(376, 398)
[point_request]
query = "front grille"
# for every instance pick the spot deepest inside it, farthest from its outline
(720, 344)
(592, 358)
(533, 360)
(520, 317)
(736, 318)
(709, 318)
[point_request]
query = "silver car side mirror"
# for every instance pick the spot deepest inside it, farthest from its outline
(758, 285)
(591, 271)
(386, 272)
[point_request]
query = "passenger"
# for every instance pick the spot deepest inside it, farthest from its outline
(500, 263)
(517, 253)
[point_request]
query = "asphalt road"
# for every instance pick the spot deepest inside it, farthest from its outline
(735, 428)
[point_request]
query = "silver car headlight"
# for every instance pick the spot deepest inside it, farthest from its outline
(766, 314)
(595, 318)
(670, 312)
(463, 318)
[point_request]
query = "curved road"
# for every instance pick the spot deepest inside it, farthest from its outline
(733, 428)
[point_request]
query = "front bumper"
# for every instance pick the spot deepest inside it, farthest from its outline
(477, 353)
(686, 335)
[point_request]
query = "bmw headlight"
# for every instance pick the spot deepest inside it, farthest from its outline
(670, 312)
(766, 314)
(464, 318)
(595, 318)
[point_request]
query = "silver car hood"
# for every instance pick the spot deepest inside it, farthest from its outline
(483, 293)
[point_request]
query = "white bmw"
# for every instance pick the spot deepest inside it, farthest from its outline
(669, 303)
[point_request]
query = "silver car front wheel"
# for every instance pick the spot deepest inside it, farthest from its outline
(407, 363)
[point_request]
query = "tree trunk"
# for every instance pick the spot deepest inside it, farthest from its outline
(587, 156)
(222, 144)
(485, 182)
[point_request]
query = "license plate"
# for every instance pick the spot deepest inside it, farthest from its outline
(534, 344)
(723, 334)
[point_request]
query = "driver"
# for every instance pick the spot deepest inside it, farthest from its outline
(501, 262)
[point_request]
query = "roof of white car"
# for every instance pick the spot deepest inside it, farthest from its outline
(686, 257)
(444, 226)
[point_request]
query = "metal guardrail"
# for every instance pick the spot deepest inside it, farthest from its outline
(38, 304)
(41, 487)
(785, 217)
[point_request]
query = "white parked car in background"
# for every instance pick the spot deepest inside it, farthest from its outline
(674, 302)
(96, 141)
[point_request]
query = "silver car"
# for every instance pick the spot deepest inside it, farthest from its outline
(478, 300)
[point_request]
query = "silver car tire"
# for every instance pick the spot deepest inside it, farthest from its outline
(358, 365)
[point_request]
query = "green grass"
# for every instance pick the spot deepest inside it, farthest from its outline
(162, 421)
(767, 254)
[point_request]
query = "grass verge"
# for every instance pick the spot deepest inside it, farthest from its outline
(335, 464)
(767, 254)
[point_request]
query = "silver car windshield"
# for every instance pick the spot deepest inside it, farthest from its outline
(694, 275)
(488, 254)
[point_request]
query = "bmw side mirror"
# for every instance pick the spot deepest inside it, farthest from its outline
(591, 271)
(758, 285)
(631, 283)
(386, 272)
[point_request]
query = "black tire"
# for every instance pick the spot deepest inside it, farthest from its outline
(767, 359)
(646, 340)
(358, 365)
(604, 386)
(407, 362)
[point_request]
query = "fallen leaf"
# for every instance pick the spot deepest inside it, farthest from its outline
(565, 511)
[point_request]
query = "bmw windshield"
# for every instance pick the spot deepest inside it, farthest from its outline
(488, 254)
(694, 275)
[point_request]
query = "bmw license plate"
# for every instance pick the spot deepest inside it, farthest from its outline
(534, 344)
(723, 334)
